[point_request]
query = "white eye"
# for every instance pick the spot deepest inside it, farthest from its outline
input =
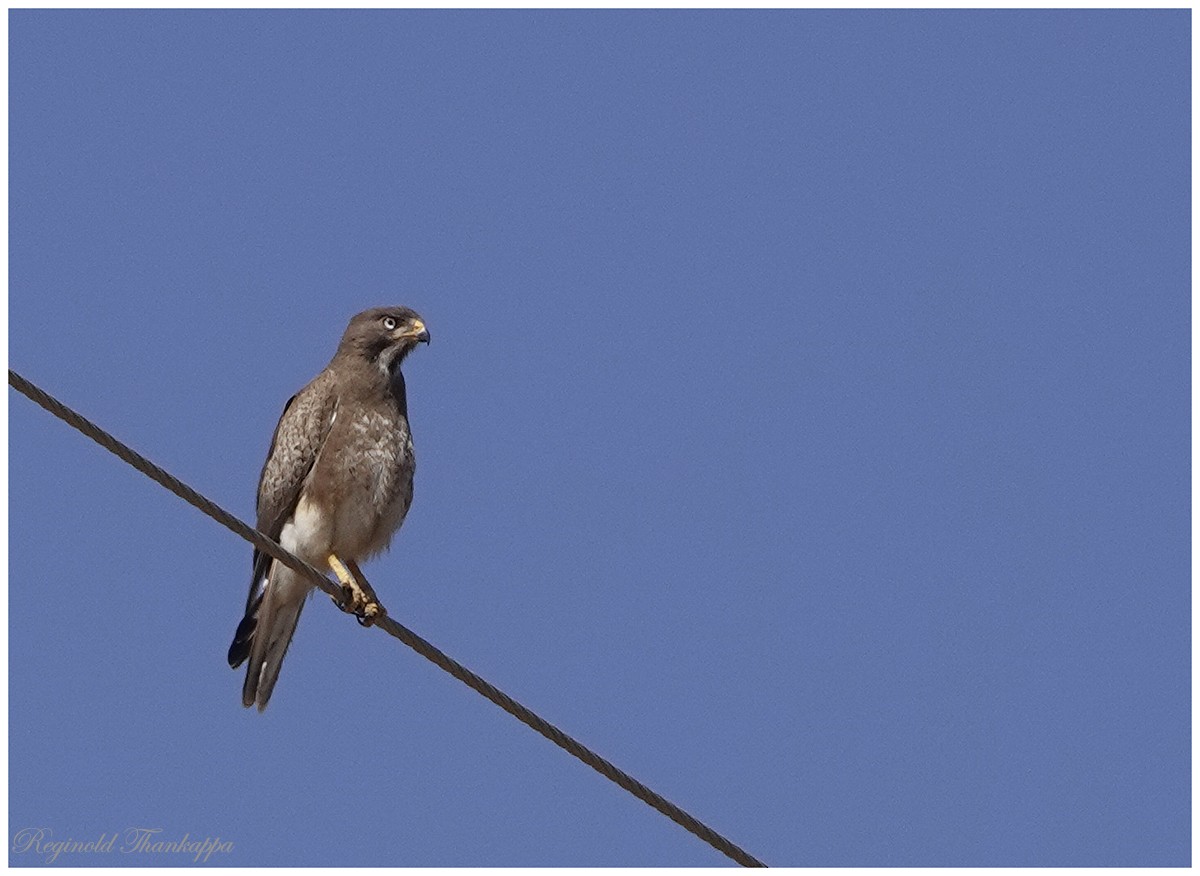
(389, 323)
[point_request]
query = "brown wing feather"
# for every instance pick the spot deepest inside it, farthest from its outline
(299, 436)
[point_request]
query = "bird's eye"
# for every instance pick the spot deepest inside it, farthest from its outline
(389, 323)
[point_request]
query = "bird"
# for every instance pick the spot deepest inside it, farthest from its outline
(336, 486)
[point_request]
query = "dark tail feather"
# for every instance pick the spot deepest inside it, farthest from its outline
(244, 637)
(240, 649)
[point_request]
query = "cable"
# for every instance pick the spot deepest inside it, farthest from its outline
(385, 623)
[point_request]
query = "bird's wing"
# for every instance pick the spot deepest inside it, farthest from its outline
(299, 436)
(295, 446)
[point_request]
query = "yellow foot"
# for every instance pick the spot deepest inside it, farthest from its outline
(372, 611)
(357, 596)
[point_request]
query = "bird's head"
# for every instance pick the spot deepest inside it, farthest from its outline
(384, 335)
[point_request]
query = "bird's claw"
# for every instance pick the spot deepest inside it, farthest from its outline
(358, 598)
(356, 602)
(369, 613)
(353, 599)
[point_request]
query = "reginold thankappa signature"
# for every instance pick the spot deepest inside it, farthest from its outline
(132, 841)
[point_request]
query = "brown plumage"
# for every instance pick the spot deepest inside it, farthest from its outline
(336, 484)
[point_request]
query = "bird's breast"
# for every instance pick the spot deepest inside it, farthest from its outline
(363, 479)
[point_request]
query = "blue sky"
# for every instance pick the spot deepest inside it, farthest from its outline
(805, 428)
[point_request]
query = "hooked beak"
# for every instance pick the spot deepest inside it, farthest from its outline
(416, 332)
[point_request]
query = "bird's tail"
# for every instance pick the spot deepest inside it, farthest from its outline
(266, 631)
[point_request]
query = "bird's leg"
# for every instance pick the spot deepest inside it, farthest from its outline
(356, 598)
(352, 595)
